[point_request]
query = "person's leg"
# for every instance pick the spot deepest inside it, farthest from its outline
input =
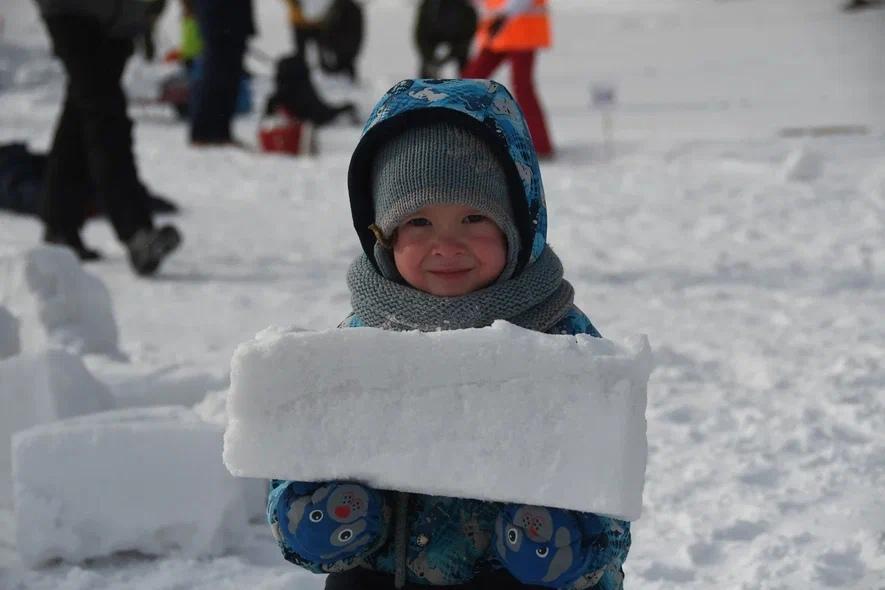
(94, 65)
(215, 93)
(483, 64)
(523, 64)
(363, 579)
(461, 53)
(62, 208)
(299, 36)
(215, 96)
(310, 35)
(499, 580)
(359, 579)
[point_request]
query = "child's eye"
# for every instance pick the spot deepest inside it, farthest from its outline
(418, 222)
(476, 218)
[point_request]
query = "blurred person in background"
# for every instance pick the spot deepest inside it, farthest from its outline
(335, 27)
(93, 137)
(304, 28)
(853, 5)
(447, 25)
(514, 30)
(191, 45)
(225, 26)
(146, 40)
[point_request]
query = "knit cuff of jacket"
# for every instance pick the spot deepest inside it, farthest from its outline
(433, 165)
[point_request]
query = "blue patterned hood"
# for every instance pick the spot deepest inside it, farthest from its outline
(484, 107)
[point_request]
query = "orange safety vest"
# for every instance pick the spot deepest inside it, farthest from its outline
(522, 32)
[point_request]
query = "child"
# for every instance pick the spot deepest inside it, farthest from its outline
(447, 200)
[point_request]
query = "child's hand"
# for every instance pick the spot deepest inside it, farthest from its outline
(336, 522)
(539, 546)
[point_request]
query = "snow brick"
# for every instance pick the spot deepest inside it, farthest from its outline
(94, 485)
(36, 388)
(498, 413)
(58, 303)
(9, 340)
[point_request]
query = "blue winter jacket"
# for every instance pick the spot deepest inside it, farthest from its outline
(448, 539)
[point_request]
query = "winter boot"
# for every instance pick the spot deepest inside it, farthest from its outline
(149, 246)
(71, 240)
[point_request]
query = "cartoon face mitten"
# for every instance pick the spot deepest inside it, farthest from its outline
(539, 546)
(335, 523)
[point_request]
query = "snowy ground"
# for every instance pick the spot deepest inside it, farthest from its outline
(754, 261)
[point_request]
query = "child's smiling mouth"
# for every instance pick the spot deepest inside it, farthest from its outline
(450, 273)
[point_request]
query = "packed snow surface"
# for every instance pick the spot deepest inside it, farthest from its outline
(499, 413)
(736, 217)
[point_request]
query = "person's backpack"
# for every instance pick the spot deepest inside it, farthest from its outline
(447, 20)
(21, 178)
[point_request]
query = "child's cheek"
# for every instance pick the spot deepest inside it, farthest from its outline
(405, 237)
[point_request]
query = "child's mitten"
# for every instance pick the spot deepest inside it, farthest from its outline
(539, 546)
(336, 522)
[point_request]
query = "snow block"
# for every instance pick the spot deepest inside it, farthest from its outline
(40, 388)
(213, 409)
(143, 479)
(498, 413)
(9, 341)
(57, 303)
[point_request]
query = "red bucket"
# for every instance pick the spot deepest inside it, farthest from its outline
(281, 132)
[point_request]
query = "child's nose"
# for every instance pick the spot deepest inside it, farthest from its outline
(448, 245)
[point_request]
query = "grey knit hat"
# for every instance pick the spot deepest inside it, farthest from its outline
(439, 164)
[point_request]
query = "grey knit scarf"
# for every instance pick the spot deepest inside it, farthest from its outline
(535, 299)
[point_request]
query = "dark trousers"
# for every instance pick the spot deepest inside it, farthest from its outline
(523, 65)
(214, 98)
(363, 579)
(300, 37)
(93, 138)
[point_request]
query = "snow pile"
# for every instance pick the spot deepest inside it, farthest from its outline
(36, 388)
(145, 479)
(9, 342)
(57, 303)
(801, 165)
(499, 413)
(213, 408)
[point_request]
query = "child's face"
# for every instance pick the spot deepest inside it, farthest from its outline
(449, 250)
